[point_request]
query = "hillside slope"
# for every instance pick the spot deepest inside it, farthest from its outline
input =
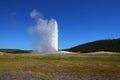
(112, 45)
(14, 51)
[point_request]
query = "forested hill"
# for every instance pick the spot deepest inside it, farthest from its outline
(14, 51)
(111, 45)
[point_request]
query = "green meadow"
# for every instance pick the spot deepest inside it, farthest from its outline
(50, 65)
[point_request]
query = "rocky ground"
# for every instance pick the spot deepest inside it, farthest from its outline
(27, 76)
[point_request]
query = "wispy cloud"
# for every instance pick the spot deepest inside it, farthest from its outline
(13, 19)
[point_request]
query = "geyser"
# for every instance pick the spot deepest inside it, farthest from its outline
(45, 34)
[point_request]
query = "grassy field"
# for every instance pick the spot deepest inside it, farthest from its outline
(64, 66)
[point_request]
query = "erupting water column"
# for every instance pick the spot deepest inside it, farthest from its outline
(45, 34)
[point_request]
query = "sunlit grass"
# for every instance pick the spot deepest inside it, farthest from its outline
(78, 64)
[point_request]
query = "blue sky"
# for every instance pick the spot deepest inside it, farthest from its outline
(79, 21)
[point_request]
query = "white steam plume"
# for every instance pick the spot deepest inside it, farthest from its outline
(45, 34)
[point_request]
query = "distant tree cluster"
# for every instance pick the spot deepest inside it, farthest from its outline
(111, 45)
(15, 51)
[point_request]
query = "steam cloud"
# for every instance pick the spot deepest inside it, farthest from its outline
(44, 33)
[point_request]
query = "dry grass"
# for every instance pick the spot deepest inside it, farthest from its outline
(78, 64)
